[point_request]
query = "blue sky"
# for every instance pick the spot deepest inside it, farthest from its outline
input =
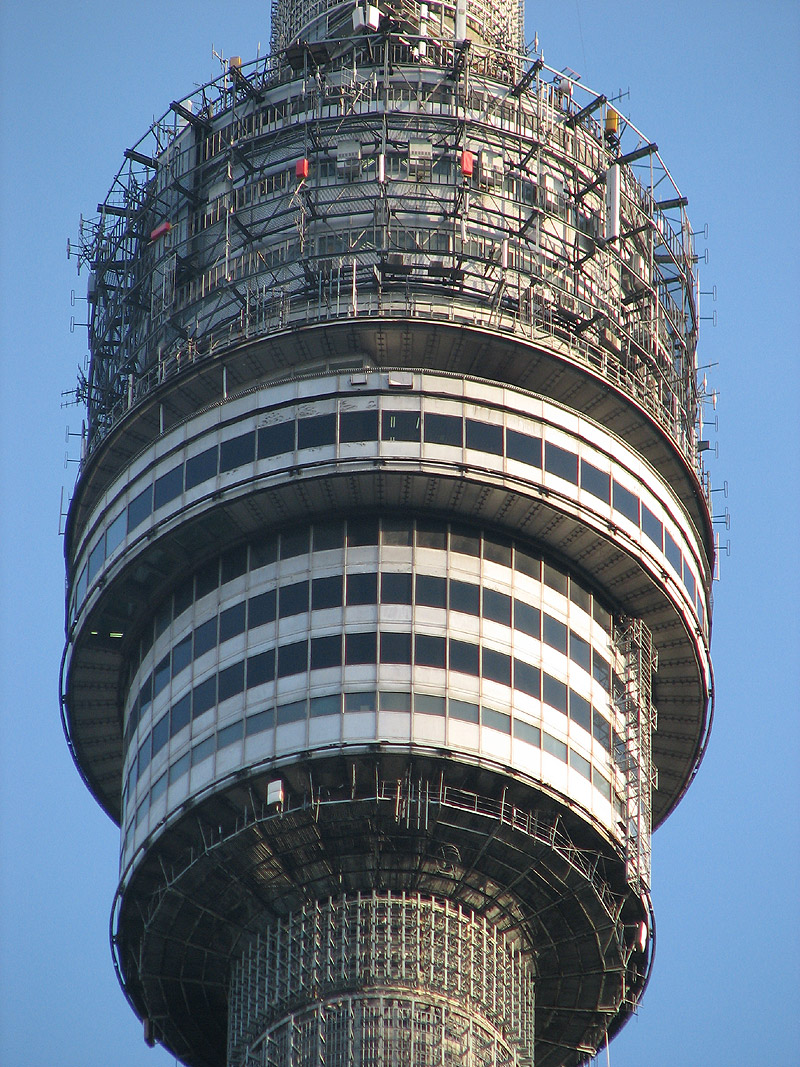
(715, 85)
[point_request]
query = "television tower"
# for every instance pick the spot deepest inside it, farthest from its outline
(390, 556)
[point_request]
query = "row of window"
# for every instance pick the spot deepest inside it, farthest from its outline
(362, 589)
(344, 427)
(369, 702)
(364, 533)
(368, 647)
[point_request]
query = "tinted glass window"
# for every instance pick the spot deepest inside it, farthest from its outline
(464, 657)
(496, 666)
(292, 658)
(554, 746)
(180, 714)
(601, 616)
(626, 503)
(395, 648)
(400, 426)
(229, 734)
(580, 710)
(317, 430)
(140, 507)
(485, 437)
(523, 731)
(429, 651)
(391, 701)
(205, 637)
(601, 671)
(580, 596)
(234, 563)
(497, 606)
(427, 704)
(326, 592)
(293, 599)
(294, 712)
(262, 553)
(360, 701)
(237, 451)
(554, 693)
(673, 552)
(360, 648)
(262, 720)
(650, 525)
(524, 448)
(464, 596)
(203, 750)
(96, 557)
(358, 426)
(362, 532)
(231, 622)
(462, 709)
(580, 651)
(260, 668)
(555, 578)
(160, 733)
(465, 541)
(560, 462)
(184, 595)
(182, 655)
(276, 439)
(431, 535)
(294, 542)
(554, 633)
(527, 678)
(594, 481)
(326, 652)
(396, 533)
(178, 768)
(443, 429)
(144, 755)
(168, 486)
(526, 618)
(207, 579)
(231, 681)
(601, 731)
(528, 563)
(204, 696)
(261, 609)
(327, 705)
(496, 720)
(431, 591)
(395, 588)
(362, 588)
(201, 467)
(581, 765)
(116, 532)
(328, 535)
(498, 550)
(688, 581)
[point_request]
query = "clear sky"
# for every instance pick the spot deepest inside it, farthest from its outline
(715, 85)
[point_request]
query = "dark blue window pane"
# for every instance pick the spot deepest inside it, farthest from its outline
(429, 651)
(276, 439)
(260, 668)
(204, 696)
(395, 588)
(145, 751)
(497, 550)
(160, 733)
(263, 552)
(358, 426)
(527, 619)
(673, 552)
(395, 648)
(431, 534)
(485, 437)
(261, 609)
(465, 541)
(262, 720)
(580, 596)
(207, 579)
(580, 651)
(556, 579)
(328, 535)
(293, 599)
(527, 678)
(362, 588)
(443, 429)
(326, 592)
(580, 710)
(496, 720)
(237, 452)
(184, 595)
(497, 606)
(205, 637)
(180, 714)
(464, 596)
(496, 666)
(295, 542)
(140, 507)
(595, 481)
(560, 462)
(293, 712)
(360, 648)
(431, 590)
(233, 563)
(231, 622)
(292, 658)
(601, 671)
(400, 425)
(229, 734)
(652, 526)
(201, 467)
(689, 582)
(464, 657)
(528, 563)
(626, 503)
(362, 532)
(168, 486)
(96, 557)
(554, 634)
(554, 693)
(316, 431)
(231, 681)
(161, 676)
(326, 652)
(524, 448)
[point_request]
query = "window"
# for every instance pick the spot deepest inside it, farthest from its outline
(400, 425)
(554, 693)
(463, 710)
(554, 634)
(178, 768)
(601, 730)
(201, 467)
(204, 696)
(496, 720)
(261, 609)
(652, 526)
(496, 666)
(294, 542)
(497, 550)
(231, 681)
(395, 648)
(358, 426)
(580, 651)
(579, 596)
(673, 552)
(360, 701)
(554, 747)
(293, 599)
(527, 678)
(262, 720)
(292, 712)
(464, 596)
(395, 588)
(326, 592)
(205, 637)
(523, 731)
(360, 648)
(527, 619)
(146, 694)
(465, 541)
(260, 668)
(145, 751)
(527, 563)
(443, 429)
(555, 579)
(231, 622)
(399, 534)
(431, 535)
(362, 532)
(292, 659)
(116, 532)
(497, 606)
(485, 437)
(180, 714)
(234, 564)
(276, 439)
(264, 552)
(524, 448)
(595, 481)
(581, 765)
(203, 750)
(626, 503)
(237, 452)
(161, 676)
(427, 704)
(326, 652)
(429, 650)
(464, 657)
(168, 486)
(207, 579)
(327, 705)
(601, 672)
(580, 711)
(561, 463)
(362, 588)
(431, 591)
(316, 431)
(328, 535)
(140, 507)
(229, 734)
(391, 701)
(160, 733)
(601, 784)
(688, 581)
